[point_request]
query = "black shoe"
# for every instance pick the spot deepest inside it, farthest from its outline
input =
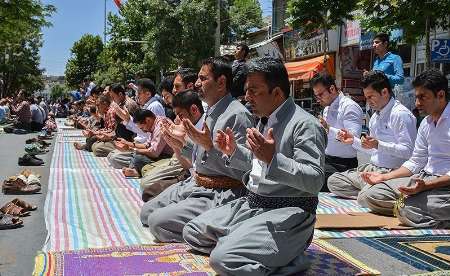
(28, 160)
(32, 140)
(36, 158)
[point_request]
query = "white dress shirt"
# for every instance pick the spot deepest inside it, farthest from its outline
(343, 113)
(154, 106)
(395, 129)
(432, 148)
(259, 168)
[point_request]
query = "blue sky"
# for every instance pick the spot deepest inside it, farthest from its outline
(71, 21)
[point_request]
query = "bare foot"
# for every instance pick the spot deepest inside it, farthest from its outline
(128, 172)
(78, 146)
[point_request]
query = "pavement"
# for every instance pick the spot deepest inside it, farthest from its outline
(18, 247)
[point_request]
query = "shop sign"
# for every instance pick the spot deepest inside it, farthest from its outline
(440, 50)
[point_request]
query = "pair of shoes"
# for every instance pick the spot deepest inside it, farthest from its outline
(35, 149)
(19, 185)
(9, 222)
(30, 160)
(17, 208)
(32, 177)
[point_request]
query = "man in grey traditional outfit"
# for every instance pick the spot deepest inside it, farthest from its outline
(212, 183)
(390, 142)
(267, 231)
(424, 178)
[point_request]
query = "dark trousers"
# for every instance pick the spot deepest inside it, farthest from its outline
(89, 142)
(140, 160)
(22, 125)
(335, 164)
(35, 126)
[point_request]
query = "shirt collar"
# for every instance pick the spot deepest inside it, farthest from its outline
(200, 121)
(211, 108)
(152, 99)
(336, 101)
(445, 114)
(385, 56)
(388, 107)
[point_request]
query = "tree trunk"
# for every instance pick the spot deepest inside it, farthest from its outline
(427, 43)
(325, 45)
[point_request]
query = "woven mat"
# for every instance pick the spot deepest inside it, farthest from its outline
(176, 259)
(429, 253)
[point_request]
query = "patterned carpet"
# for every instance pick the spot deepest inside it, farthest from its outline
(176, 259)
(428, 253)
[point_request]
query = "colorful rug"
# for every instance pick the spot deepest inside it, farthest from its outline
(330, 204)
(429, 253)
(176, 259)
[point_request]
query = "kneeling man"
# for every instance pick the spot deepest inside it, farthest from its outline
(267, 231)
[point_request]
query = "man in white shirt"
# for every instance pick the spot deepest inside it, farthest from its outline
(340, 112)
(392, 134)
(424, 177)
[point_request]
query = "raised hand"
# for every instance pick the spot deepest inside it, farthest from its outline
(225, 141)
(200, 137)
(262, 147)
(372, 178)
(369, 142)
(345, 137)
(418, 187)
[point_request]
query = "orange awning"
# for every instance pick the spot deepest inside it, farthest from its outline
(306, 69)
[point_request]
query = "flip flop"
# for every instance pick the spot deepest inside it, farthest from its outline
(12, 209)
(9, 222)
(126, 172)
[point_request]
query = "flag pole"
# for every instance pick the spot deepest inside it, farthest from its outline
(104, 27)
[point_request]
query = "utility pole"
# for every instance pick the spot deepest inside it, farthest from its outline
(217, 36)
(104, 27)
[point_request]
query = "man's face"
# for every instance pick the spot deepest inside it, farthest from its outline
(147, 125)
(379, 46)
(206, 85)
(117, 98)
(258, 95)
(239, 53)
(183, 113)
(323, 94)
(143, 96)
(102, 108)
(178, 85)
(375, 99)
(426, 102)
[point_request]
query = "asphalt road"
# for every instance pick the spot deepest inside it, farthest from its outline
(18, 247)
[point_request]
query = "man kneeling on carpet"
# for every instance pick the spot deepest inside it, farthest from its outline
(267, 231)
(425, 177)
(153, 150)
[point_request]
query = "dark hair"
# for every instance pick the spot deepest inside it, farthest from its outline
(166, 84)
(378, 81)
(244, 47)
(96, 90)
(325, 79)
(188, 75)
(118, 88)
(383, 37)
(147, 84)
(434, 80)
(186, 99)
(104, 99)
(220, 67)
(141, 115)
(92, 109)
(274, 72)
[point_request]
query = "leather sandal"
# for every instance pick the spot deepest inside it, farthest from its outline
(25, 205)
(16, 185)
(14, 210)
(9, 222)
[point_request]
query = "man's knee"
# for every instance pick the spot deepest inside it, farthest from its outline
(162, 223)
(219, 261)
(377, 199)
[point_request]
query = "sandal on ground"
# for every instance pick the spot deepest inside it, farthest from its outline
(9, 222)
(128, 172)
(78, 146)
(16, 185)
(25, 205)
(12, 209)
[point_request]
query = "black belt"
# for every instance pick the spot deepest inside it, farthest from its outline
(308, 204)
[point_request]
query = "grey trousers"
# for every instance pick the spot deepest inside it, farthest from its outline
(348, 184)
(168, 212)
(102, 149)
(430, 209)
(158, 176)
(246, 241)
(427, 209)
(120, 159)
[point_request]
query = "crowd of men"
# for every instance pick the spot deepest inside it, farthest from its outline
(241, 182)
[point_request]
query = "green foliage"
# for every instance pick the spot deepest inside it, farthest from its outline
(57, 91)
(21, 23)
(84, 60)
(245, 15)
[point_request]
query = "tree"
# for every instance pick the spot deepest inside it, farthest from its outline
(20, 35)
(84, 59)
(415, 17)
(245, 15)
(312, 15)
(57, 91)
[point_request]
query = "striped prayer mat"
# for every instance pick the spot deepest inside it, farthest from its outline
(330, 204)
(176, 259)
